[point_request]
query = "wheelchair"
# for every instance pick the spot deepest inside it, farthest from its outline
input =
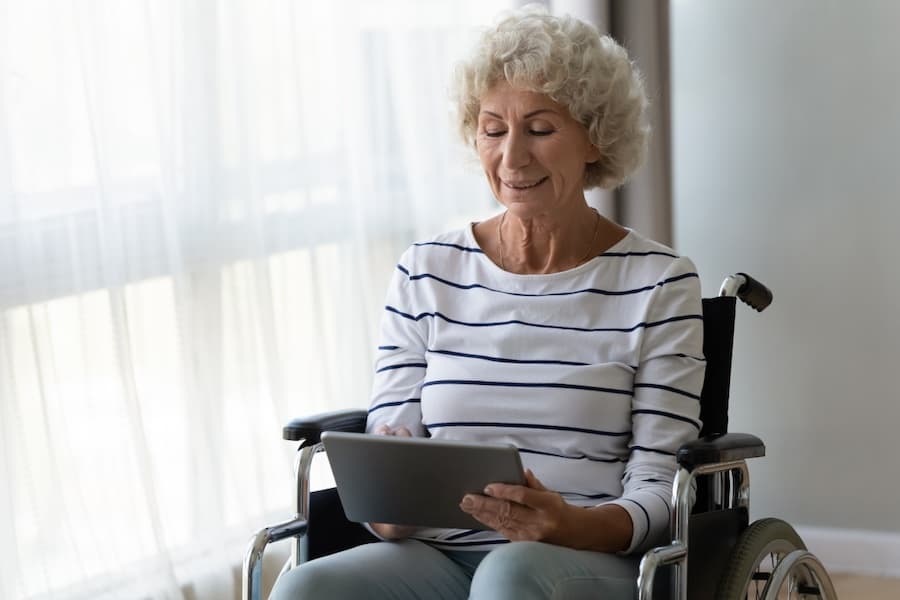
(730, 558)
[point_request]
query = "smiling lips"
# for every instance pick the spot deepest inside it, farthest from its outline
(521, 185)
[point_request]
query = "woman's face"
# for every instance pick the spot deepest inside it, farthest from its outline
(532, 151)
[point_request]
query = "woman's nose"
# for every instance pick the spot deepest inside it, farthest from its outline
(516, 153)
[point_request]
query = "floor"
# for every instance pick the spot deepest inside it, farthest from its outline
(859, 587)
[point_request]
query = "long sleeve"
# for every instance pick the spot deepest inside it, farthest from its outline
(400, 363)
(666, 402)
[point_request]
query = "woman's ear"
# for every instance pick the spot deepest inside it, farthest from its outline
(593, 154)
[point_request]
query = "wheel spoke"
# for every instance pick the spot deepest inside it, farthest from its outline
(757, 554)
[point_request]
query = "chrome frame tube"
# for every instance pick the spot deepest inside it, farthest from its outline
(683, 498)
(813, 570)
(302, 467)
(252, 568)
(251, 588)
(719, 490)
(731, 285)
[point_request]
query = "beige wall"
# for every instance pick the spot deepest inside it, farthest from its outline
(786, 126)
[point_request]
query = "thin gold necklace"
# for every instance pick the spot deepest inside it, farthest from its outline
(587, 255)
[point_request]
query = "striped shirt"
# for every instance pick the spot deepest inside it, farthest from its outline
(593, 373)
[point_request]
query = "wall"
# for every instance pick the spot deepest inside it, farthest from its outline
(786, 122)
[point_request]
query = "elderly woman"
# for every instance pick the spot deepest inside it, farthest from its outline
(548, 327)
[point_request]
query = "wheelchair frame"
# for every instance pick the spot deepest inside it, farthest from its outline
(721, 456)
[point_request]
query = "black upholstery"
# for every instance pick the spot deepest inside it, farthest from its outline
(713, 536)
(718, 341)
(330, 531)
(720, 448)
(716, 444)
(310, 428)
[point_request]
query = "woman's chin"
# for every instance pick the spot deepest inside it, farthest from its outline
(537, 196)
(530, 203)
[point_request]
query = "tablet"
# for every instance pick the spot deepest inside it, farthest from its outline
(415, 481)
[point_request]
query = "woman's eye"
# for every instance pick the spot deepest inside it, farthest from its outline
(495, 133)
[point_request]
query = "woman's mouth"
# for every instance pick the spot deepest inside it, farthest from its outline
(524, 185)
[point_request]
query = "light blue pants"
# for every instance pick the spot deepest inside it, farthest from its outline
(413, 570)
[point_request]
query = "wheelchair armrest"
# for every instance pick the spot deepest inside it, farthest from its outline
(310, 428)
(718, 448)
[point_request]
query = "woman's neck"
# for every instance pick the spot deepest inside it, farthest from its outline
(540, 244)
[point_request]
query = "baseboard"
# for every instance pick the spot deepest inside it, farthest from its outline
(854, 550)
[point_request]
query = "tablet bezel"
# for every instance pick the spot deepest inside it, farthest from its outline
(415, 481)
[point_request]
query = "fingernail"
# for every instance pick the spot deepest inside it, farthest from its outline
(488, 491)
(467, 502)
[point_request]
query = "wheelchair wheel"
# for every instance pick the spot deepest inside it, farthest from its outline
(754, 572)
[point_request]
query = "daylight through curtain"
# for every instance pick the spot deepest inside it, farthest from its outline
(200, 205)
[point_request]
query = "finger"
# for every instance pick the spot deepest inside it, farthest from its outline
(516, 493)
(476, 503)
(536, 499)
(513, 521)
(484, 506)
(533, 481)
(497, 514)
(388, 430)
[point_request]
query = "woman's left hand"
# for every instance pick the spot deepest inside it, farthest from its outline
(522, 512)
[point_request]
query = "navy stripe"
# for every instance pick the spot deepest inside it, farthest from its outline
(421, 316)
(663, 498)
(461, 534)
(588, 496)
(697, 358)
(388, 347)
(510, 360)
(665, 503)
(472, 286)
(654, 450)
(670, 320)
(582, 457)
(646, 515)
(668, 389)
(668, 415)
(688, 275)
(434, 542)
(647, 253)
(398, 403)
(457, 246)
(402, 366)
(568, 386)
(597, 291)
(526, 426)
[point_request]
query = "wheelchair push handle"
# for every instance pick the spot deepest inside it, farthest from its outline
(749, 290)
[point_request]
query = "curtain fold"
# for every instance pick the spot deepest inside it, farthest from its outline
(201, 203)
(644, 203)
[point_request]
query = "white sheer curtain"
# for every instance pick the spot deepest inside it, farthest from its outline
(200, 205)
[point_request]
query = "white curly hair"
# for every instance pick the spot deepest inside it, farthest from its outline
(574, 65)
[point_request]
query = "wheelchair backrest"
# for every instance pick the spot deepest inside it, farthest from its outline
(718, 340)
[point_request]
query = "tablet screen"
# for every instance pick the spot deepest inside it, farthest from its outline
(415, 481)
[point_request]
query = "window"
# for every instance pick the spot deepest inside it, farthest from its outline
(200, 205)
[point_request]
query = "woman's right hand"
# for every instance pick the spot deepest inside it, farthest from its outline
(388, 430)
(389, 531)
